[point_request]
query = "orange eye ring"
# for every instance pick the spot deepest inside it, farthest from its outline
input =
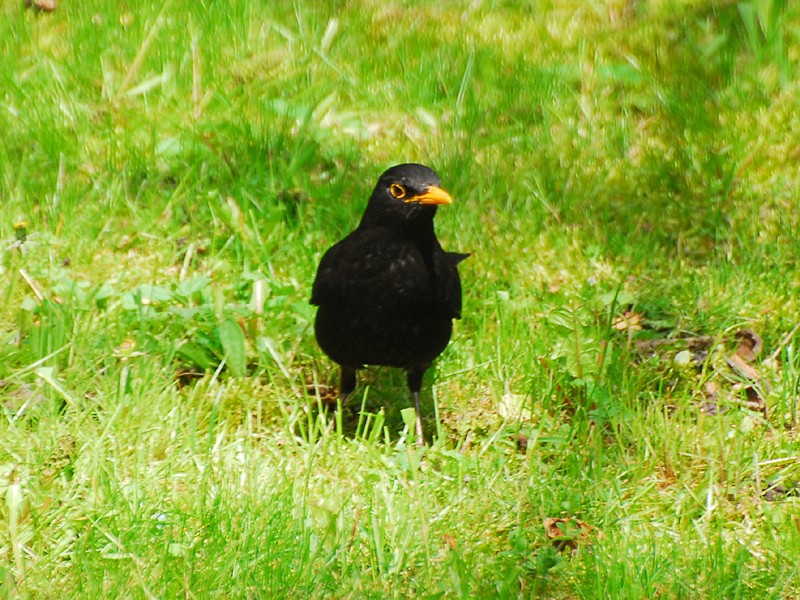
(397, 190)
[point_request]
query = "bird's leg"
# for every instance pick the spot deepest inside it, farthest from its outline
(414, 384)
(347, 382)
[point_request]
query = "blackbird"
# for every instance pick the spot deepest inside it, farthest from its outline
(388, 293)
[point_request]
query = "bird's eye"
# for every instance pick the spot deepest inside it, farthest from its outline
(397, 190)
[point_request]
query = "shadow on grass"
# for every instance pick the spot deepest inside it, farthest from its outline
(377, 404)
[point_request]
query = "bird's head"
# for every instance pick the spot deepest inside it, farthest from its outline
(405, 194)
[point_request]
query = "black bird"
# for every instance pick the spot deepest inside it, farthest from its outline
(388, 293)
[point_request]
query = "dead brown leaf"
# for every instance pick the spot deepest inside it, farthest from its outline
(127, 349)
(739, 366)
(184, 377)
(41, 5)
(630, 321)
(711, 405)
(696, 344)
(17, 398)
(449, 540)
(568, 532)
(61, 458)
(750, 344)
(753, 400)
(776, 491)
(327, 394)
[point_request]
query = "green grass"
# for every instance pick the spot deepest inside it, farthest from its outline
(170, 174)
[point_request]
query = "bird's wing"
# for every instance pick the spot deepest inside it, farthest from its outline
(367, 264)
(448, 282)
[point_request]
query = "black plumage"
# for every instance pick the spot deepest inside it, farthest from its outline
(388, 293)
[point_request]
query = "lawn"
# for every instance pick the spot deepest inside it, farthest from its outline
(616, 415)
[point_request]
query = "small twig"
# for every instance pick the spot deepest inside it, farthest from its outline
(784, 342)
(32, 284)
(702, 341)
(133, 70)
(197, 73)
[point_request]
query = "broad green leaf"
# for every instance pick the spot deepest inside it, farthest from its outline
(232, 339)
(197, 355)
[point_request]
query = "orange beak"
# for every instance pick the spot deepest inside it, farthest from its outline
(433, 195)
